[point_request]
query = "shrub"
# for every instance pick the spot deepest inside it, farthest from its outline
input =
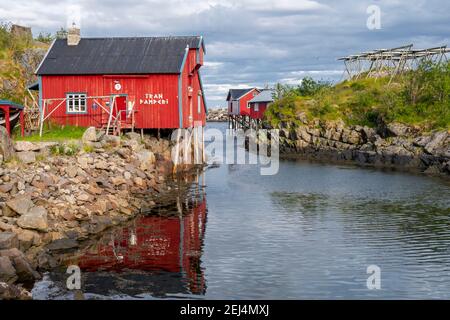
(420, 97)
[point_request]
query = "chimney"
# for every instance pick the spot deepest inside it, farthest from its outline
(73, 36)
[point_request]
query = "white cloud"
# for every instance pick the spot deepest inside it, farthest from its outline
(251, 42)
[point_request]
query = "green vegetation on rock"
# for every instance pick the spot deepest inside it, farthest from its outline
(418, 98)
(20, 54)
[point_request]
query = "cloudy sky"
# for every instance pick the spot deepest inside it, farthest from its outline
(251, 42)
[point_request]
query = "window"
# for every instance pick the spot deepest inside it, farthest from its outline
(76, 103)
(199, 104)
(256, 106)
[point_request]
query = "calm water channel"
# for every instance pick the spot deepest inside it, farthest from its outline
(309, 232)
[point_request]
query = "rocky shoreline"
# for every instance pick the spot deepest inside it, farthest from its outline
(217, 115)
(392, 145)
(55, 196)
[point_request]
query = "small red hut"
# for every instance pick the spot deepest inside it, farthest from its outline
(259, 104)
(139, 83)
(238, 101)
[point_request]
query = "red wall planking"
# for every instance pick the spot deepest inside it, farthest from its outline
(190, 78)
(243, 102)
(262, 106)
(155, 96)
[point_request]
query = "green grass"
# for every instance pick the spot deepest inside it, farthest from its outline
(56, 133)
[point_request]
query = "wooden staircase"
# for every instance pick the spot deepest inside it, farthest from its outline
(121, 122)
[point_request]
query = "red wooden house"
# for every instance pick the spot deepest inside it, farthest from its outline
(238, 101)
(259, 103)
(142, 83)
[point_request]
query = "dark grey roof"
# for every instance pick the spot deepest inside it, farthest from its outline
(118, 56)
(235, 94)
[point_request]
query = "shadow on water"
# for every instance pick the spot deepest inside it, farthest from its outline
(157, 255)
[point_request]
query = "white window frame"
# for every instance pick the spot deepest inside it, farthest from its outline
(76, 103)
(256, 107)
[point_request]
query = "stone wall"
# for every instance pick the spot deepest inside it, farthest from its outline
(54, 196)
(388, 145)
(217, 115)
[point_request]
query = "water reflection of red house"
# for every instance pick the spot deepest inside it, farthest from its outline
(155, 244)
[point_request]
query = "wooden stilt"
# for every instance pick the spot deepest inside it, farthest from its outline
(203, 145)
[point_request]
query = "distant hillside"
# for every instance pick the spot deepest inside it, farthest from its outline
(20, 54)
(419, 98)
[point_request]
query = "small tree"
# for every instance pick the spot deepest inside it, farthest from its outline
(310, 87)
(45, 37)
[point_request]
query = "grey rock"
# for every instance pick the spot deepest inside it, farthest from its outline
(398, 129)
(99, 224)
(27, 239)
(62, 244)
(146, 159)
(7, 271)
(432, 170)
(133, 136)
(437, 140)
(35, 219)
(13, 292)
(25, 146)
(24, 271)
(100, 136)
(113, 141)
(20, 204)
(26, 156)
(396, 150)
(6, 146)
(7, 187)
(72, 171)
(8, 240)
(368, 134)
(90, 135)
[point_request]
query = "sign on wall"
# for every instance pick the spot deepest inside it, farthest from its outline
(154, 99)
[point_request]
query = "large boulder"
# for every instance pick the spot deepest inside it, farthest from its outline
(22, 267)
(437, 141)
(35, 219)
(8, 240)
(110, 140)
(21, 204)
(26, 157)
(397, 129)
(146, 159)
(25, 146)
(133, 136)
(7, 271)
(27, 238)
(6, 146)
(62, 244)
(90, 135)
(12, 292)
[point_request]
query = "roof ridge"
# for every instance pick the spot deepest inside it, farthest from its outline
(136, 37)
